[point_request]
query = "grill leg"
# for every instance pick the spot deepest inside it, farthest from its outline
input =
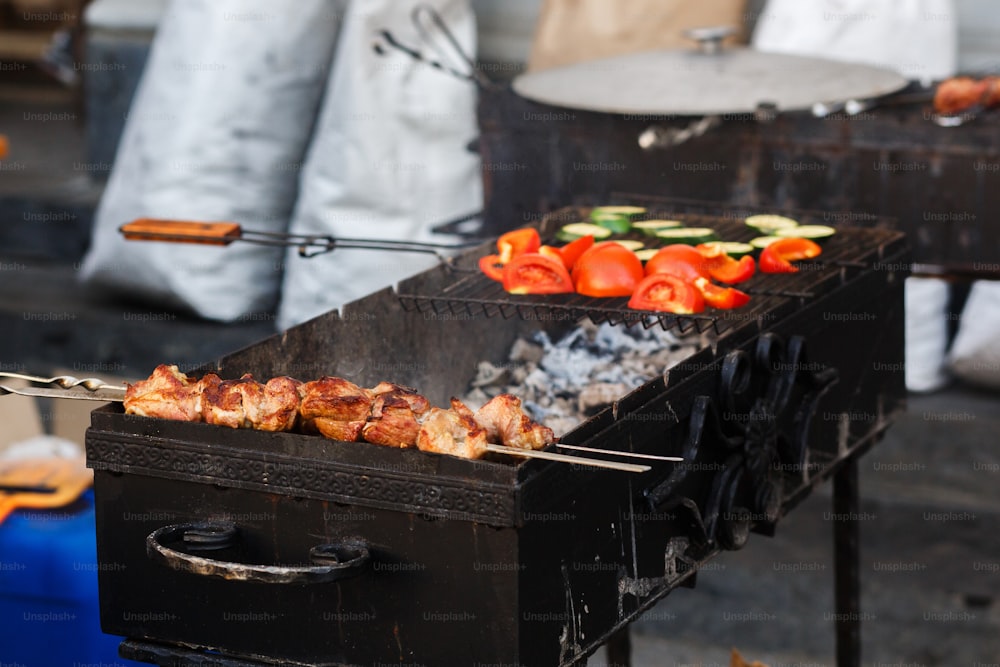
(620, 649)
(846, 557)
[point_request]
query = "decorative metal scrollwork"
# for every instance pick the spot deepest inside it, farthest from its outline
(742, 440)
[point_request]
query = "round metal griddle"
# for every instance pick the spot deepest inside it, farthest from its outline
(706, 81)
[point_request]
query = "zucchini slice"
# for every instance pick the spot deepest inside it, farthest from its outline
(650, 227)
(646, 254)
(629, 243)
(733, 248)
(770, 224)
(618, 224)
(762, 242)
(688, 235)
(627, 211)
(814, 232)
(576, 230)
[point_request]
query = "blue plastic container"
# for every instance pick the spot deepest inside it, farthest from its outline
(48, 590)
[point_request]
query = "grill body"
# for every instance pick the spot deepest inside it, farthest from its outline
(483, 561)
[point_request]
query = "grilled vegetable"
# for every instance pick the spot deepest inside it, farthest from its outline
(629, 212)
(763, 241)
(769, 224)
(576, 230)
(724, 268)
(535, 273)
(721, 297)
(650, 227)
(680, 260)
(732, 248)
(518, 242)
(616, 223)
(688, 235)
(667, 293)
(778, 256)
(815, 232)
(569, 253)
(630, 244)
(607, 269)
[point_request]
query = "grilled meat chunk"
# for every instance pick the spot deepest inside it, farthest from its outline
(279, 409)
(168, 394)
(395, 416)
(452, 432)
(334, 407)
(233, 403)
(506, 423)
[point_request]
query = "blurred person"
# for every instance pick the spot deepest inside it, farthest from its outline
(281, 118)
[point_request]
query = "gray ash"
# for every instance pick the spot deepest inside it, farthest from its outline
(563, 383)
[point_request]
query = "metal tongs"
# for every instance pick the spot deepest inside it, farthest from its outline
(423, 18)
(309, 245)
(94, 389)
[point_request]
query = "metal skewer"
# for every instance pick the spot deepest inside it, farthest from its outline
(93, 389)
(564, 458)
(613, 452)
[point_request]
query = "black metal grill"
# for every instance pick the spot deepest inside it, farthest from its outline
(783, 395)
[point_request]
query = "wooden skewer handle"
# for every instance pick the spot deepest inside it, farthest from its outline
(181, 231)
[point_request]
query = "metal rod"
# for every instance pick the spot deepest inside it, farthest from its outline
(846, 571)
(612, 452)
(565, 458)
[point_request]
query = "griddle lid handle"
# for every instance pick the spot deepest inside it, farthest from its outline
(333, 562)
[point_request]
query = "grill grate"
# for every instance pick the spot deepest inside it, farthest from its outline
(469, 293)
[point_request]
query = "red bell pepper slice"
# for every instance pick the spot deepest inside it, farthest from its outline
(518, 242)
(778, 256)
(569, 253)
(607, 269)
(724, 268)
(534, 273)
(721, 297)
(491, 266)
(667, 293)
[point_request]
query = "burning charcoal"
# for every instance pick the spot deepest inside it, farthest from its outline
(488, 374)
(523, 351)
(594, 397)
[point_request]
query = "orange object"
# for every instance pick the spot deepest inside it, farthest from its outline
(182, 231)
(491, 266)
(41, 483)
(607, 269)
(680, 260)
(569, 253)
(721, 297)
(4, 146)
(518, 242)
(724, 268)
(667, 293)
(535, 273)
(778, 256)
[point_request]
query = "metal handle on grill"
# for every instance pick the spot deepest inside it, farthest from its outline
(333, 561)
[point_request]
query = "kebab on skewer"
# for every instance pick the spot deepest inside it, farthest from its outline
(387, 414)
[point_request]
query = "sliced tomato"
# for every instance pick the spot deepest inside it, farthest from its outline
(679, 260)
(607, 269)
(518, 242)
(721, 297)
(777, 257)
(667, 293)
(534, 273)
(491, 266)
(724, 268)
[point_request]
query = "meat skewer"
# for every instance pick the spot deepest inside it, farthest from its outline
(388, 414)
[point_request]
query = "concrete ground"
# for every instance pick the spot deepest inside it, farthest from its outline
(930, 558)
